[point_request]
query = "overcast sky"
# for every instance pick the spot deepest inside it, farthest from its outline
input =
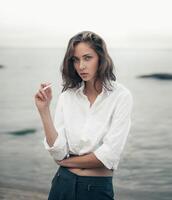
(52, 22)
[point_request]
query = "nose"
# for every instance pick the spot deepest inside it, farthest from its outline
(81, 66)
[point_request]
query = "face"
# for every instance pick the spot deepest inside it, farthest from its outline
(85, 61)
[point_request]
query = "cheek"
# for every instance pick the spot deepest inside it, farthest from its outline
(94, 65)
(76, 67)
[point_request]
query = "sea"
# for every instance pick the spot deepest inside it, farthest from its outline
(145, 168)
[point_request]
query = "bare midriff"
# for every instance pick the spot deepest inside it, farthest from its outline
(92, 171)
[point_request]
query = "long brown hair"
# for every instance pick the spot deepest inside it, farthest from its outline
(70, 77)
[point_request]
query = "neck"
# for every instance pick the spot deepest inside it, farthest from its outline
(89, 87)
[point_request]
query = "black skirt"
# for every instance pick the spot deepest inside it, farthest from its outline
(67, 185)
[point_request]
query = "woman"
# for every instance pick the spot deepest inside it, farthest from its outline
(91, 124)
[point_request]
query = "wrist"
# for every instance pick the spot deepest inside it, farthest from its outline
(64, 162)
(45, 111)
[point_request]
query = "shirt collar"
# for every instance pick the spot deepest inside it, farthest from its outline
(105, 91)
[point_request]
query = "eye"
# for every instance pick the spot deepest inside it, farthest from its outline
(88, 58)
(74, 60)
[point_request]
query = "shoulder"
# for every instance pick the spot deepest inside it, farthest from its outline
(65, 95)
(122, 93)
(120, 89)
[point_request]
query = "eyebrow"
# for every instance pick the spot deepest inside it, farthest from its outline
(88, 54)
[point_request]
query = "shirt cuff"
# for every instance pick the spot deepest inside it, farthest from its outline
(59, 149)
(103, 153)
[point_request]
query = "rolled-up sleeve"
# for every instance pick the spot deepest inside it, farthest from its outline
(114, 141)
(60, 149)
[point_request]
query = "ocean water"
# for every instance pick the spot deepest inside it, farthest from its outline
(145, 169)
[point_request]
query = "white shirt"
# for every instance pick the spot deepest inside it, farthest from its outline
(101, 129)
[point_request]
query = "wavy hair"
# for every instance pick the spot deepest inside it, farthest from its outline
(105, 74)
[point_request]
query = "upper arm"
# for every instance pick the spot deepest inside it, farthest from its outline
(115, 139)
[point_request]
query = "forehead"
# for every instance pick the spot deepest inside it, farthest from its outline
(82, 49)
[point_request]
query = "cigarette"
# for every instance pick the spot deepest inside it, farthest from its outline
(47, 86)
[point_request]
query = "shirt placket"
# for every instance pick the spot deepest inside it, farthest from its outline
(90, 110)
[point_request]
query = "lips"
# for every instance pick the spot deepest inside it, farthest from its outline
(84, 74)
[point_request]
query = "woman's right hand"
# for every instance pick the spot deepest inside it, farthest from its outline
(43, 97)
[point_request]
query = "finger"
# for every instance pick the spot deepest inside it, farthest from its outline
(43, 93)
(40, 96)
(48, 91)
(44, 84)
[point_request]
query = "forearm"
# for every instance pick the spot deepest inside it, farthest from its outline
(49, 129)
(84, 161)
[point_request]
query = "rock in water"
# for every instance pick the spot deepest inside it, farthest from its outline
(23, 132)
(2, 66)
(164, 76)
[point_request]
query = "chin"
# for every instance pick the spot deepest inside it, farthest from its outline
(86, 79)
